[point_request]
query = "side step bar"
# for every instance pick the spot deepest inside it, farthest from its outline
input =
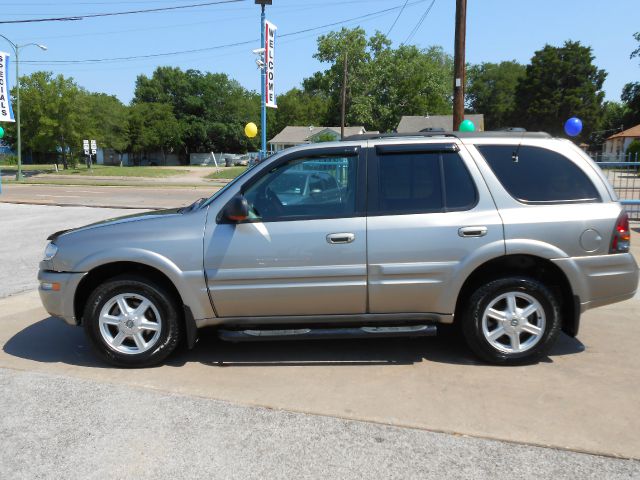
(326, 333)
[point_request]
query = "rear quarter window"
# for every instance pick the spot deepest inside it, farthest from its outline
(538, 175)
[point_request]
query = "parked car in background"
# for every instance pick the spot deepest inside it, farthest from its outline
(510, 235)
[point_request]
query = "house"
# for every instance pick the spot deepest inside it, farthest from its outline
(617, 144)
(291, 136)
(412, 124)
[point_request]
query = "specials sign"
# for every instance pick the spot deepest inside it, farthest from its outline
(6, 112)
(269, 59)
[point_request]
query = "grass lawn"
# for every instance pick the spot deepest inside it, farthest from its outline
(100, 171)
(227, 172)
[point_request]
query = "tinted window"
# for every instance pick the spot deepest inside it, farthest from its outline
(305, 188)
(423, 183)
(410, 182)
(538, 175)
(459, 187)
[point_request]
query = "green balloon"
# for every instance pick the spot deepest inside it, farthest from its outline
(1, 132)
(467, 126)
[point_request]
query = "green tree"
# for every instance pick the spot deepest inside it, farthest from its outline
(613, 114)
(153, 127)
(636, 52)
(408, 81)
(634, 148)
(296, 107)
(107, 121)
(211, 108)
(491, 90)
(53, 114)
(382, 83)
(561, 82)
(631, 99)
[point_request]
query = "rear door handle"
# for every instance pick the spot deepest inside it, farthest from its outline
(334, 238)
(472, 231)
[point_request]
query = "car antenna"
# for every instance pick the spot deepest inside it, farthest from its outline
(514, 155)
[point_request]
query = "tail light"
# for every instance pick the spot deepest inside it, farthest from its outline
(621, 235)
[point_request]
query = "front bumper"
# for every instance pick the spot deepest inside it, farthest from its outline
(59, 302)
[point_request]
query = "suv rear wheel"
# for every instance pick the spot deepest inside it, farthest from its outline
(512, 321)
(132, 322)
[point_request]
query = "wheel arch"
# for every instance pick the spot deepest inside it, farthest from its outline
(532, 266)
(104, 272)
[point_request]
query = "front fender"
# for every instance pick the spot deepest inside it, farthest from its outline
(191, 285)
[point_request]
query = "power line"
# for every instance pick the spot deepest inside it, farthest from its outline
(396, 20)
(113, 14)
(174, 26)
(216, 47)
(419, 24)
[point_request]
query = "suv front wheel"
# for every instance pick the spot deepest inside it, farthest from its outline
(132, 322)
(511, 321)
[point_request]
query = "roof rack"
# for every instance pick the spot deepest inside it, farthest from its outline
(510, 133)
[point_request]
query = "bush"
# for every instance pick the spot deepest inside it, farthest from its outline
(634, 149)
(8, 160)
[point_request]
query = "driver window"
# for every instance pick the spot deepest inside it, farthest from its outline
(305, 188)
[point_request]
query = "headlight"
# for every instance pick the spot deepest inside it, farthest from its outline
(50, 251)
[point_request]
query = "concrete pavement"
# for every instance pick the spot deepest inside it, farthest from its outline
(55, 427)
(584, 397)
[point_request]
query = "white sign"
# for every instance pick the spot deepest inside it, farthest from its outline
(94, 147)
(85, 146)
(6, 112)
(269, 59)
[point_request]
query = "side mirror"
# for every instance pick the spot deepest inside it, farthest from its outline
(237, 210)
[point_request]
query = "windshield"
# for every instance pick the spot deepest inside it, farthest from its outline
(227, 186)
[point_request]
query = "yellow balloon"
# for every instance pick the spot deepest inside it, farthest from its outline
(250, 130)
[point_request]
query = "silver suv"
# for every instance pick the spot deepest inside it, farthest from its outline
(511, 236)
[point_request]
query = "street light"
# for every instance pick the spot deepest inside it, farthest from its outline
(16, 50)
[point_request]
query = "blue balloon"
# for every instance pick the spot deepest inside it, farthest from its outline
(573, 126)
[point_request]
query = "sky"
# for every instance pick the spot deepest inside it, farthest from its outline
(497, 30)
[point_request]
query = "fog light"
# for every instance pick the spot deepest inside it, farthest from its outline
(50, 286)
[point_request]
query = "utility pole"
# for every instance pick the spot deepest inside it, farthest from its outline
(459, 63)
(16, 50)
(263, 80)
(344, 96)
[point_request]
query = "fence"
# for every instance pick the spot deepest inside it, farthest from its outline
(615, 157)
(626, 182)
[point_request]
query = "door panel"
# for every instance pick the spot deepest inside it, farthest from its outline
(287, 268)
(302, 251)
(413, 258)
(431, 220)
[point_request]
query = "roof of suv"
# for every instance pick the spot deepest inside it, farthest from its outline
(510, 134)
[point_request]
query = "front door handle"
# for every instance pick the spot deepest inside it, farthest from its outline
(472, 231)
(334, 238)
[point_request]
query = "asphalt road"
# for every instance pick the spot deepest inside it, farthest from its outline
(108, 197)
(23, 235)
(65, 415)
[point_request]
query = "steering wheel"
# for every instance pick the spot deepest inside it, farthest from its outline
(272, 206)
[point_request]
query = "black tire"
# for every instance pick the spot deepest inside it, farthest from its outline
(165, 304)
(472, 317)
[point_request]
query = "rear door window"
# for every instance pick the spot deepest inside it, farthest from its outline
(538, 175)
(422, 182)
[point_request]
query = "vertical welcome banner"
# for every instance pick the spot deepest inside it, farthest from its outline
(6, 112)
(269, 59)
